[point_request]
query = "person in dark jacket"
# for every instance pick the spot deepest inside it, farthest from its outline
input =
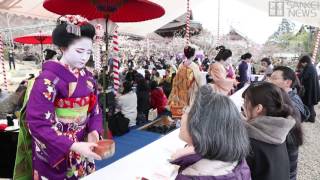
(286, 79)
(143, 91)
(205, 64)
(244, 70)
(12, 102)
(310, 81)
(268, 124)
(11, 59)
(49, 54)
(217, 141)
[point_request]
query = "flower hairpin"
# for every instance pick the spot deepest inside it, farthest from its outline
(74, 22)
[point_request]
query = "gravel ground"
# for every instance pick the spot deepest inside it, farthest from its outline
(309, 155)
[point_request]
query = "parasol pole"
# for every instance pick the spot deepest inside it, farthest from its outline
(104, 97)
(42, 58)
(41, 39)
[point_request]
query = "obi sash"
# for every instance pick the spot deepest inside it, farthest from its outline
(73, 110)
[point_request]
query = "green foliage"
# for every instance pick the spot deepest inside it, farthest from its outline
(287, 41)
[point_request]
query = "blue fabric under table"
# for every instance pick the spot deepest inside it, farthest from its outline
(128, 143)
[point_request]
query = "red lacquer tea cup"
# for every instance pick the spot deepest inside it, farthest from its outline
(105, 148)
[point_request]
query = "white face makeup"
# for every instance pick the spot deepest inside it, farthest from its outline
(78, 53)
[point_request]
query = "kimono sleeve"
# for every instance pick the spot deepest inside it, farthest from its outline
(51, 146)
(95, 116)
(219, 77)
(197, 74)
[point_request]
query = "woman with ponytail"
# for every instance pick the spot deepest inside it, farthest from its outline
(270, 117)
(218, 72)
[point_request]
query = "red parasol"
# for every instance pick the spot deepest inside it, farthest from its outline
(115, 10)
(37, 38)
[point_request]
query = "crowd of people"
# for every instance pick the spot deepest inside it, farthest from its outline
(261, 142)
(263, 139)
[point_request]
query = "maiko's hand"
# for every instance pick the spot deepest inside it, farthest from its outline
(93, 137)
(85, 149)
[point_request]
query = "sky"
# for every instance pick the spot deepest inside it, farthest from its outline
(251, 22)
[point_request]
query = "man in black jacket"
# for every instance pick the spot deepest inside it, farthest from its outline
(286, 79)
(310, 81)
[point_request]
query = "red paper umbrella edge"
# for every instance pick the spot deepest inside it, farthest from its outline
(34, 39)
(131, 11)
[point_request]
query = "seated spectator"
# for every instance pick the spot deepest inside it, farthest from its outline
(158, 99)
(127, 104)
(12, 102)
(147, 75)
(166, 83)
(217, 140)
(269, 119)
(143, 91)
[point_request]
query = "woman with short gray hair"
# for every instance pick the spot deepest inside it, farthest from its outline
(217, 141)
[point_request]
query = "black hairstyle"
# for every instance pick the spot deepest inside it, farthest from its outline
(147, 75)
(305, 59)
(270, 97)
(189, 52)
(266, 60)
(157, 74)
(142, 85)
(49, 54)
(223, 53)
(127, 87)
(62, 38)
(216, 127)
(289, 74)
(246, 56)
(153, 85)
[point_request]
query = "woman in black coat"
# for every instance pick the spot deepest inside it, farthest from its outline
(269, 120)
(310, 81)
(143, 96)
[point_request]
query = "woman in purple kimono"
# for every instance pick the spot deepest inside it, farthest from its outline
(62, 113)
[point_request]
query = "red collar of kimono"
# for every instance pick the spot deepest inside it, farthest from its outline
(74, 71)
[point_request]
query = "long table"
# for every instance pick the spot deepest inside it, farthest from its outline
(151, 161)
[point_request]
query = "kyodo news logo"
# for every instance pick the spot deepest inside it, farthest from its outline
(294, 8)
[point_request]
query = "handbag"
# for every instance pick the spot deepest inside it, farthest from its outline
(153, 114)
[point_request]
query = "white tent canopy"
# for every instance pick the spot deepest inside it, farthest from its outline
(34, 8)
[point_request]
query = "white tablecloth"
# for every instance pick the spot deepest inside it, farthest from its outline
(150, 161)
